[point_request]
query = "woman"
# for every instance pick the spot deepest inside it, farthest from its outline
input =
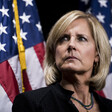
(76, 65)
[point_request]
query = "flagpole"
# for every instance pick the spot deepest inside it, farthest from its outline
(21, 48)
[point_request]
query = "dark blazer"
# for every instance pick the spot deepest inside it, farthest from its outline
(53, 98)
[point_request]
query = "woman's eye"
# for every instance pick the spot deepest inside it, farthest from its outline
(82, 38)
(64, 38)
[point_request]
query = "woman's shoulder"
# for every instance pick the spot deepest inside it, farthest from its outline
(28, 100)
(38, 93)
(102, 98)
(104, 103)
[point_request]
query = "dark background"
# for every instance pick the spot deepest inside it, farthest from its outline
(51, 10)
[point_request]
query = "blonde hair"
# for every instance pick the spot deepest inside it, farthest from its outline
(97, 80)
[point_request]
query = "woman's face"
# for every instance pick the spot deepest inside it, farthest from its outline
(75, 50)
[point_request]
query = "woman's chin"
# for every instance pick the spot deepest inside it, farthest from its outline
(69, 68)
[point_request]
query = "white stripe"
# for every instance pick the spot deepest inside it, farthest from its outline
(5, 103)
(34, 69)
(108, 87)
(15, 65)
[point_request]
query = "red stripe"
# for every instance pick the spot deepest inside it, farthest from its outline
(40, 51)
(101, 93)
(26, 81)
(8, 80)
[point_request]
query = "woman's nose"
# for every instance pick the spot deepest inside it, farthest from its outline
(72, 44)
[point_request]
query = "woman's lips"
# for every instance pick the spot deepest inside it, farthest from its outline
(71, 58)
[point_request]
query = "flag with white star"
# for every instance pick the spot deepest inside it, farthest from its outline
(102, 10)
(33, 41)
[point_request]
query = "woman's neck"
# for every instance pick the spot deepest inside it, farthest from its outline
(76, 82)
(81, 90)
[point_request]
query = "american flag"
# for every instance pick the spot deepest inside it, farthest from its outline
(102, 10)
(33, 41)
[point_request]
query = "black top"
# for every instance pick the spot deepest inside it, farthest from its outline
(53, 98)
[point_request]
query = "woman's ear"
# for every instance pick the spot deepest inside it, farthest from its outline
(97, 57)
